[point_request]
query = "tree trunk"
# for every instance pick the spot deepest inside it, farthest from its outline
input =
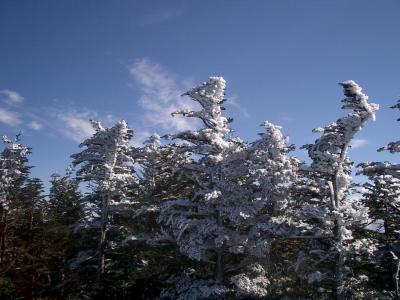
(102, 241)
(339, 262)
(3, 234)
(106, 196)
(396, 280)
(338, 232)
(219, 271)
(338, 239)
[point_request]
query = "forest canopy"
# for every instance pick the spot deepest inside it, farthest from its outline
(203, 214)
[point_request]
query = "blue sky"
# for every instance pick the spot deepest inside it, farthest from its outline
(63, 62)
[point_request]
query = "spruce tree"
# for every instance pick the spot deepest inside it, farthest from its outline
(215, 225)
(332, 218)
(106, 164)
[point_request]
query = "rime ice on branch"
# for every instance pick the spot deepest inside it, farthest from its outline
(382, 168)
(105, 161)
(382, 196)
(337, 213)
(272, 168)
(13, 167)
(213, 225)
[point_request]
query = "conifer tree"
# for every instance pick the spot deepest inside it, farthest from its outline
(65, 205)
(13, 172)
(381, 195)
(29, 242)
(64, 210)
(273, 173)
(332, 218)
(213, 225)
(105, 163)
(388, 168)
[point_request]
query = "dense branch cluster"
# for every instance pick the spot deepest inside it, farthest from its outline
(202, 214)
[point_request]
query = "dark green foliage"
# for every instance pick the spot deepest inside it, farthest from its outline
(382, 196)
(27, 242)
(49, 244)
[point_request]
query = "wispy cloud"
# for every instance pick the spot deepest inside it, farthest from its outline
(161, 96)
(233, 101)
(358, 143)
(9, 118)
(75, 125)
(35, 125)
(11, 97)
(139, 136)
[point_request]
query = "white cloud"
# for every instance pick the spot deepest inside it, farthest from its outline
(9, 117)
(139, 136)
(233, 101)
(11, 97)
(161, 96)
(35, 125)
(358, 143)
(75, 126)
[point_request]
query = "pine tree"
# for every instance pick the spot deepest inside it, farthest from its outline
(13, 172)
(381, 195)
(214, 226)
(106, 164)
(388, 168)
(332, 218)
(273, 174)
(28, 241)
(64, 210)
(65, 205)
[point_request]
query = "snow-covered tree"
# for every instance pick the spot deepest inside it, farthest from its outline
(382, 196)
(388, 168)
(23, 242)
(29, 244)
(105, 163)
(65, 204)
(331, 217)
(13, 172)
(157, 179)
(273, 169)
(273, 174)
(63, 210)
(213, 225)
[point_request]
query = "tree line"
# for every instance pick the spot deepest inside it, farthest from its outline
(202, 214)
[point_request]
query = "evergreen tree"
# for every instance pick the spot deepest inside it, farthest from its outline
(214, 226)
(273, 175)
(105, 163)
(65, 205)
(63, 211)
(28, 242)
(388, 168)
(382, 195)
(13, 173)
(332, 218)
